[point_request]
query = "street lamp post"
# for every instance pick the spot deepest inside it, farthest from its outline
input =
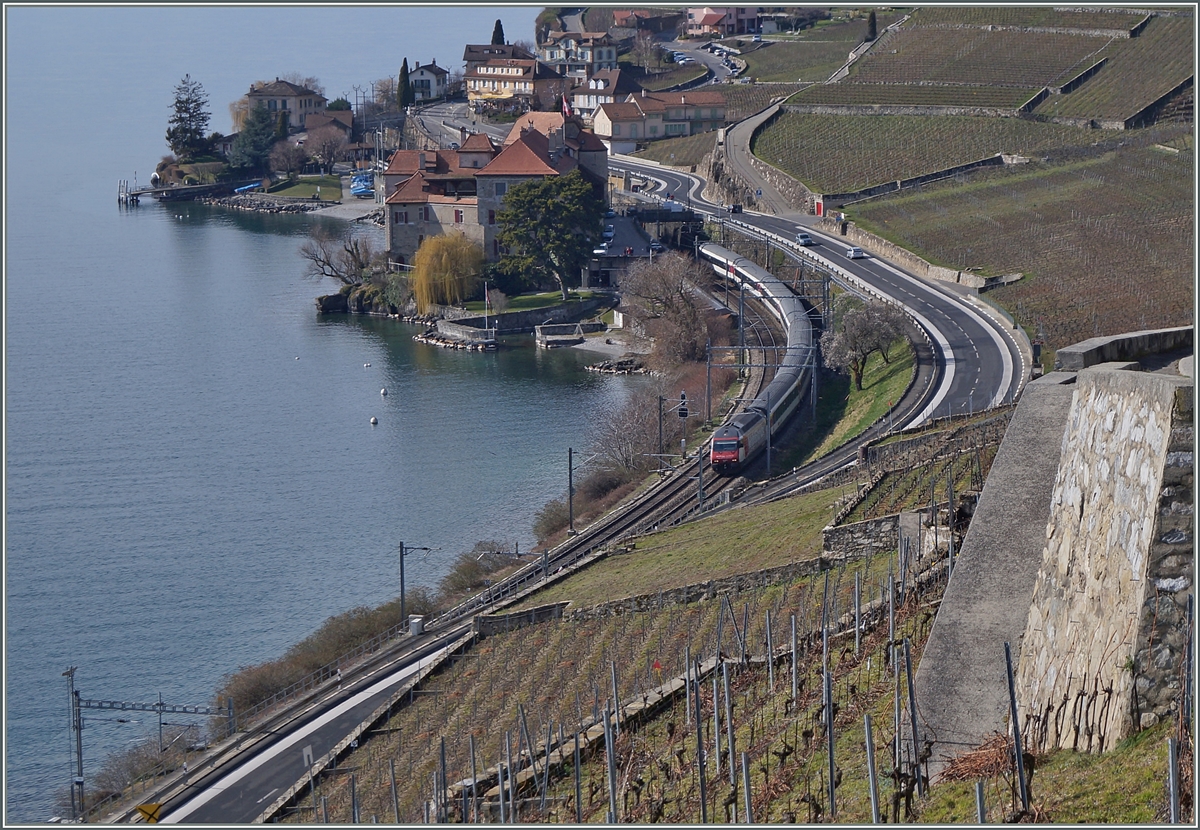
(403, 614)
(571, 491)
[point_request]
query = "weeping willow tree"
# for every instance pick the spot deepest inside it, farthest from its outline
(446, 270)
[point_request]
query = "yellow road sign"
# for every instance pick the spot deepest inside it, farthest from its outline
(149, 812)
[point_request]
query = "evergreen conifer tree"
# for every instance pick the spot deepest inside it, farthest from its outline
(405, 95)
(871, 30)
(252, 147)
(498, 34)
(189, 121)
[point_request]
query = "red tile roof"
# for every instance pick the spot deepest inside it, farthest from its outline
(529, 155)
(478, 142)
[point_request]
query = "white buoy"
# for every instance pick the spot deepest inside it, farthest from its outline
(366, 365)
(297, 357)
(383, 392)
(374, 420)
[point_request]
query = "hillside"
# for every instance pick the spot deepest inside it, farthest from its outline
(1092, 110)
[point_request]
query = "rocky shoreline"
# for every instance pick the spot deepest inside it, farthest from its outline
(258, 204)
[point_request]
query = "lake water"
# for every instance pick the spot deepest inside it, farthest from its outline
(192, 481)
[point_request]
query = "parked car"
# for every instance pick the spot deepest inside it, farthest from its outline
(610, 213)
(854, 252)
(803, 239)
(609, 232)
(601, 251)
(656, 246)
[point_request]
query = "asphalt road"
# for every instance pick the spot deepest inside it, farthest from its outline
(983, 363)
(238, 794)
(982, 367)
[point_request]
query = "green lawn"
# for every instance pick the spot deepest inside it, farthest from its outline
(843, 412)
(732, 542)
(306, 188)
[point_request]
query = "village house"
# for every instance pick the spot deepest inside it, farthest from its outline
(295, 102)
(506, 77)
(343, 120)
(579, 54)
(722, 21)
(604, 87)
(649, 116)
(433, 192)
(660, 20)
(429, 81)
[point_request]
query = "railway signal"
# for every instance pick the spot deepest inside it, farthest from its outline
(682, 409)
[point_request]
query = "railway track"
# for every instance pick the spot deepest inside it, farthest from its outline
(667, 502)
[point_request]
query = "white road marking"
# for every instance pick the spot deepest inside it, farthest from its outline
(226, 781)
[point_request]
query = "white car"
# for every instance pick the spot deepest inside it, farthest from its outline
(601, 251)
(854, 252)
(803, 239)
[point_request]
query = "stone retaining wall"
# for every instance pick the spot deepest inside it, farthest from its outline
(521, 322)
(701, 590)
(867, 538)
(485, 625)
(1103, 645)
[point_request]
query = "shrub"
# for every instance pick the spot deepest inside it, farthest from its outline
(552, 518)
(602, 482)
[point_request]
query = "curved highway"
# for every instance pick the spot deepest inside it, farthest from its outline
(982, 361)
(982, 366)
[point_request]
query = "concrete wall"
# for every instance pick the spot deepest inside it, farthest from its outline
(961, 689)
(1103, 646)
(1121, 347)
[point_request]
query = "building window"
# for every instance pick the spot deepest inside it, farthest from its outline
(616, 129)
(458, 216)
(491, 217)
(495, 247)
(501, 188)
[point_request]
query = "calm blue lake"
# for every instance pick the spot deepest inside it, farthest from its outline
(192, 479)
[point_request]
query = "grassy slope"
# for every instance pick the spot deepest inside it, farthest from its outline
(736, 541)
(843, 411)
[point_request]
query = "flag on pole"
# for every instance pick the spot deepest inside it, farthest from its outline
(566, 107)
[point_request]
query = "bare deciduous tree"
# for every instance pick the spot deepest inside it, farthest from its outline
(287, 157)
(645, 50)
(626, 435)
(326, 145)
(306, 81)
(349, 259)
(497, 300)
(662, 297)
(597, 19)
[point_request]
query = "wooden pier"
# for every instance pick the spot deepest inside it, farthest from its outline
(127, 195)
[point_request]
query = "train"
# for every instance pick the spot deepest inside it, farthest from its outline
(741, 438)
